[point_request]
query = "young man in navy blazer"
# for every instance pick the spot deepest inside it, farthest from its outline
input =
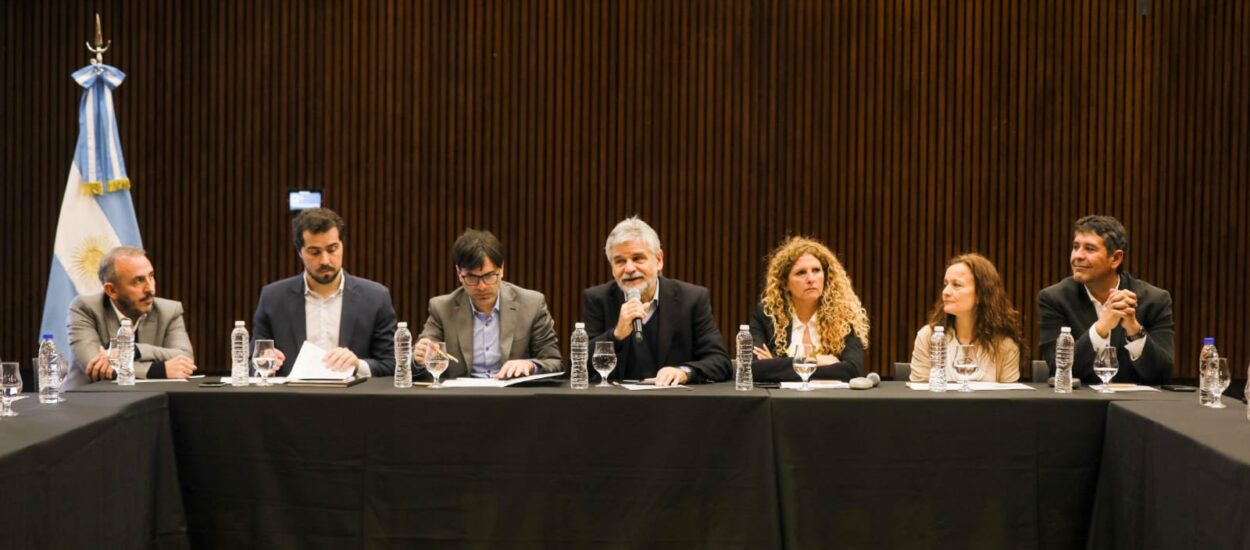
(349, 317)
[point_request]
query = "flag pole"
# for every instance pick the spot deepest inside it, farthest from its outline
(100, 46)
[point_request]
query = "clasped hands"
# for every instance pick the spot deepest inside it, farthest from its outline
(1119, 310)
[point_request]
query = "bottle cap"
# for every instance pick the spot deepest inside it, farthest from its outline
(47, 336)
(579, 325)
(403, 324)
(744, 327)
(939, 328)
(1208, 341)
(125, 321)
(1066, 329)
(239, 323)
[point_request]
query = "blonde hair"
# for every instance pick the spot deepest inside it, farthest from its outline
(839, 310)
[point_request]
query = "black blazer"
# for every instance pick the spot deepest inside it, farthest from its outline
(781, 369)
(367, 326)
(1067, 304)
(688, 333)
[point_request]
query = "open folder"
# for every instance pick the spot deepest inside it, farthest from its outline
(466, 382)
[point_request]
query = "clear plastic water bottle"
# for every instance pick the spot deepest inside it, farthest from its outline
(1206, 377)
(579, 351)
(937, 360)
(238, 355)
(742, 371)
(1064, 348)
(403, 356)
(125, 366)
(49, 365)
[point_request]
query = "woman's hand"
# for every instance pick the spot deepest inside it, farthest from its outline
(762, 353)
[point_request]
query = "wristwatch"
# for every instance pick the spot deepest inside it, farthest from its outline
(1140, 334)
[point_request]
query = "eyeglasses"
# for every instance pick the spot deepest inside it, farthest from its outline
(474, 280)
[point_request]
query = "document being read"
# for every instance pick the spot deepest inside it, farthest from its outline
(310, 365)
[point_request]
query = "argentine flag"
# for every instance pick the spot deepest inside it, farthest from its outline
(97, 213)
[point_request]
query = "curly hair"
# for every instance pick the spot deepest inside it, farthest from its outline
(839, 311)
(996, 318)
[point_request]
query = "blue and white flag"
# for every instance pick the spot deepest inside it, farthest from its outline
(97, 213)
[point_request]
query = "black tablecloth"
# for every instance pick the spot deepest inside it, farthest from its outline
(94, 472)
(1175, 475)
(898, 468)
(515, 467)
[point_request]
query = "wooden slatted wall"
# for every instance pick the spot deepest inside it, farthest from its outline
(900, 132)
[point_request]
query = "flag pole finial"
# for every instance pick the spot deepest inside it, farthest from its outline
(100, 46)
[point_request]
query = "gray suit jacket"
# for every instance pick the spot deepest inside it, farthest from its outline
(92, 321)
(526, 330)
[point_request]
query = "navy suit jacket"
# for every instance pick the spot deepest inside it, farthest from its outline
(688, 333)
(367, 325)
(1067, 304)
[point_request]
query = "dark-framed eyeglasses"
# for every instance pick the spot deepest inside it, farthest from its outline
(474, 280)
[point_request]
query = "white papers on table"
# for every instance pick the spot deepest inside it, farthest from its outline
(643, 387)
(255, 380)
(976, 386)
(310, 365)
(817, 385)
(469, 382)
(1118, 388)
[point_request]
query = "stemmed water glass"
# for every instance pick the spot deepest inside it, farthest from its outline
(965, 365)
(1105, 366)
(436, 362)
(265, 357)
(805, 363)
(10, 387)
(1220, 379)
(604, 361)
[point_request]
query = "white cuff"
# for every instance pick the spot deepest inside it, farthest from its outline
(362, 369)
(1097, 341)
(1136, 347)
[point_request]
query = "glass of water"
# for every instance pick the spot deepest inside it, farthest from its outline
(10, 387)
(1220, 380)
(805, 363)
(265, 357)
(1105, 366)
(965, 365)
(436, 362)
(604, 361)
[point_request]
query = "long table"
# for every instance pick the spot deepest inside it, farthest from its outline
(1175, 475)
(704, 467)
(96, 471)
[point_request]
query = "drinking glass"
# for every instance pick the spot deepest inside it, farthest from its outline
(113, 359)
(1247, 394)
(265, 357)
(436, 362)
(10, 387)
(604, 361)
(1105, 366)
(1220, 380)
(805, 363)
(965, 365)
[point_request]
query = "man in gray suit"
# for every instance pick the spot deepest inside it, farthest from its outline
(492, 328)
(163, 350)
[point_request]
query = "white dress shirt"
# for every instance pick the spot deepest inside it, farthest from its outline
(322, 317)
(1135, 348)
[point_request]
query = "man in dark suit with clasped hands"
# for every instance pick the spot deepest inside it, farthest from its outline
(1104, 306)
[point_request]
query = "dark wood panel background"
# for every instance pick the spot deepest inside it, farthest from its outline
(899, 132)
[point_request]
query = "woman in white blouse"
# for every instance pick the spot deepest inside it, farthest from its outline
(975, 310)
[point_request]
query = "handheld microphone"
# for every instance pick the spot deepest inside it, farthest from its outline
(635, 294)
(865, 382)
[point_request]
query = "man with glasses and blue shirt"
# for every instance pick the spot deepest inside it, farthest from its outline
(492, 328)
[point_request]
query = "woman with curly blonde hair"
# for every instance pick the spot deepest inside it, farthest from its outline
(807, 298)
(975, 310)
